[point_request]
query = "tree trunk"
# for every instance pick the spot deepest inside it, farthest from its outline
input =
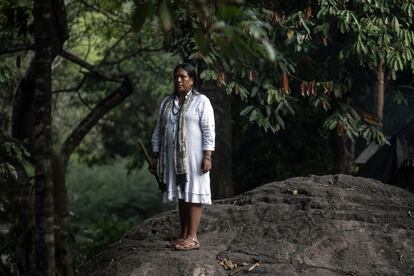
(344, 154)
(221, 175)
(379, 96)
(63, 229)
(42, 138)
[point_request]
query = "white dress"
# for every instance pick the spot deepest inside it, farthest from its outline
(199, 124)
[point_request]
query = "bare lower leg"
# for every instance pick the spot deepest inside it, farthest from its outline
(183, 212)
(194, 217)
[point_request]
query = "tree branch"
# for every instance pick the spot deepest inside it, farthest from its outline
(95, 71)
(408, 87)
(114, 45)
(73, 89)
(138, 51)
(17, 48)
(102, 108)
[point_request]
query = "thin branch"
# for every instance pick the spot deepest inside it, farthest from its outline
(133, 54)
(114, 45)
(73, 89)
(89, 48)
(83, 101)
(17, 48)
(299, 79)
(408, 87)
(96, 72)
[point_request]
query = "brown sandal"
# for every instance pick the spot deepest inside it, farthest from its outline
(173, 243)
(188, 244)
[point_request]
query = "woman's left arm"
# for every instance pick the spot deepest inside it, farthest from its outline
(207, 126)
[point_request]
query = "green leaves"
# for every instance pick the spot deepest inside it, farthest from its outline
(408, 8)
(394, 61)
(399, 98)
(344, 121)
(202, 42)
(372, 133)
(7, 74)
(226, 12)
(270, 50)
(273, 104)
(15, 150)
(209, 74)
(321, 101)
(347, 20)
(395, 24)
(143, 10)
(7, 171)
(375, 30)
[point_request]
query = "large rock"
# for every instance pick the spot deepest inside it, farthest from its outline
(318, 225)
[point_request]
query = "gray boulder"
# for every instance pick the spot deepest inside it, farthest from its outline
(317, 225)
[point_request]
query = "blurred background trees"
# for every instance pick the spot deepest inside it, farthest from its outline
(298, 87)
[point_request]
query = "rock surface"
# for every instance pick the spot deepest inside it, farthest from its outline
(317, 225)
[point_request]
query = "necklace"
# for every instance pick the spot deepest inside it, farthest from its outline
(179, 109)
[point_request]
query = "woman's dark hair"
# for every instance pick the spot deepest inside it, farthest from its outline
(188, 68)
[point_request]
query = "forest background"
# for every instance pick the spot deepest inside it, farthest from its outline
(298, 88)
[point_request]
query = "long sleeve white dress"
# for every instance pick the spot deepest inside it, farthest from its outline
(199, 124)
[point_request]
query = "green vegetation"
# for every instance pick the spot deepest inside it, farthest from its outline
(106, 202)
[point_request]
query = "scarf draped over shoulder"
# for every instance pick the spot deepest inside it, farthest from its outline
(180, 145)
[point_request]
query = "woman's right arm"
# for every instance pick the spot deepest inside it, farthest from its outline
(155, 141)
(156, 133)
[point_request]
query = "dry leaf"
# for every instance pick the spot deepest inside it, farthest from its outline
(228, 264)
(303, 87)
(222, 76)
(307, 12)
(370, 118)
(313, 88)
(293, 191)
(252, 75)
(290, 34)
(285, 83)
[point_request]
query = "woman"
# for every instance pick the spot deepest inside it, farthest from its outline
(182, 143)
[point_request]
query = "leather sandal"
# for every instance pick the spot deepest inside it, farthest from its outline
(173, 243)
(188, 244)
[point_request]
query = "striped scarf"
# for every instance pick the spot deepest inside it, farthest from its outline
(180, 146)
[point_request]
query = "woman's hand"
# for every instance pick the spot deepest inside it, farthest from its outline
(206, 164)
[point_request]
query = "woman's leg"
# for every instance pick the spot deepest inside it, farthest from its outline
(183, 212)
(193, 212)
(193, 222)
(194, 217)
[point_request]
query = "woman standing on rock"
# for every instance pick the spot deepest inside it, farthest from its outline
(182, 143)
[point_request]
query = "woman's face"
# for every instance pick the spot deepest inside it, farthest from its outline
(182, 81)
